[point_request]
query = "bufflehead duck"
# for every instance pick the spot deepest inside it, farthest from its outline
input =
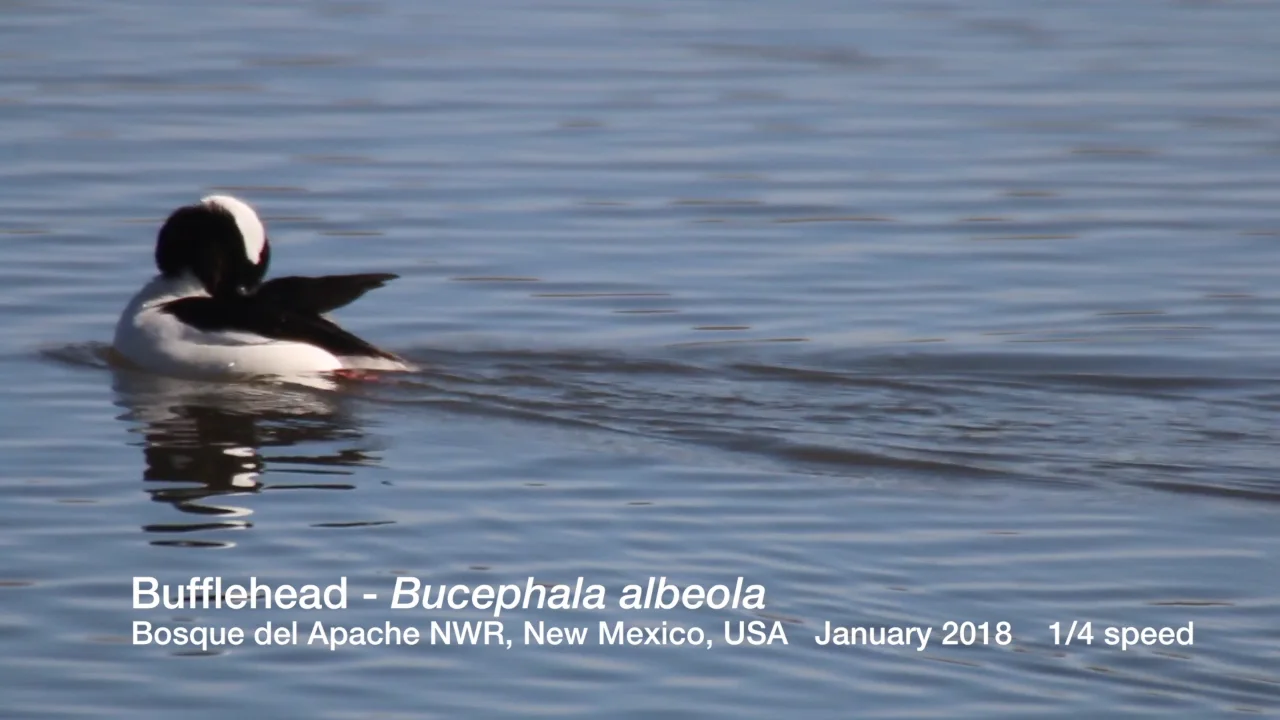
(209, 315)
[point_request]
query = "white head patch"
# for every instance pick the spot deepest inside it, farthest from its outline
(255, 236)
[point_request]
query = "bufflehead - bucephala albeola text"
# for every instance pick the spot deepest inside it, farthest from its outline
(209, 315)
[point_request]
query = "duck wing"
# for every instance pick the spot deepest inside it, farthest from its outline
(319, 295)
(269, 318)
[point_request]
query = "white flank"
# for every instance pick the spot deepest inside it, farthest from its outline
(156, 341)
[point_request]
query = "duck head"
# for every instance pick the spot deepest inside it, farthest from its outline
(219, 241)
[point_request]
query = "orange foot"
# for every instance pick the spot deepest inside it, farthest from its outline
(352, 374)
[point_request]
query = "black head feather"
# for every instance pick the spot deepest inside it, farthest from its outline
(208, 241)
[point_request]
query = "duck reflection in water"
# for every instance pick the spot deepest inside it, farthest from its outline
(204, 444)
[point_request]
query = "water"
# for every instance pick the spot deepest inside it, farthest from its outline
(908, 312)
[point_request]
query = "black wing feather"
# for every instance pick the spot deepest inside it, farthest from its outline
(319, 295)
(283, 317)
